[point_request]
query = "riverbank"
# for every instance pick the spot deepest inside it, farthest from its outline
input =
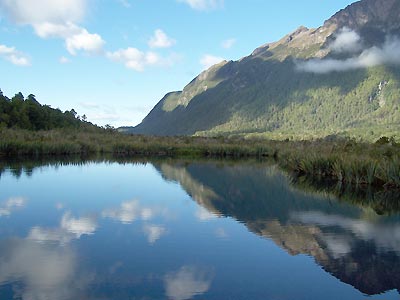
(342, 160)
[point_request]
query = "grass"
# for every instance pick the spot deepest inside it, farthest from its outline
(343, 160)
(66, 142)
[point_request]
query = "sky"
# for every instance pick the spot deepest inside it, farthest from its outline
(113, 60)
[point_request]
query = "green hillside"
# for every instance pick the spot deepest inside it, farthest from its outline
(269, 93)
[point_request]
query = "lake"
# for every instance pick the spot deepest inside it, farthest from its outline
(180, 230)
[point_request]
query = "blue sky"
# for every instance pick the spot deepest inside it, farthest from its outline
(113, 60)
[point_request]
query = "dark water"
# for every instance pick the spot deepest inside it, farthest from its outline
(173, 230)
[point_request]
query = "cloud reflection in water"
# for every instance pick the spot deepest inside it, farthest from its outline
(70, 228)
(187, 282)
(385, 236)
(12, 204)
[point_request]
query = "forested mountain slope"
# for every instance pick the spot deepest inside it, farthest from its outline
(343, 77)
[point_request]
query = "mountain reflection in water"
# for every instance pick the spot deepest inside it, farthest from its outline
(103, 239)
(357, 246)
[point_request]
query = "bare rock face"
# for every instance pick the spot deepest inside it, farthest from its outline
(375, 13)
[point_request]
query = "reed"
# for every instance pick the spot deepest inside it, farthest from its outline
(345, 161)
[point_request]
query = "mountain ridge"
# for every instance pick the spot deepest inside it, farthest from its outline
(283, 90)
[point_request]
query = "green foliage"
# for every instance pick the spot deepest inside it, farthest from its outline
(29, 114)
(344, 161)
(270, 97)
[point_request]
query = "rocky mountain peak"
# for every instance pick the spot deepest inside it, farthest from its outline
(368, 12)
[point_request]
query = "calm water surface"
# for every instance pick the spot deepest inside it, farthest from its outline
(173, 230)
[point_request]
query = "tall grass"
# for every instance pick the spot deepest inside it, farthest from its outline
(344, 161)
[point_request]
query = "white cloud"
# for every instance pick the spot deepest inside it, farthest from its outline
(55, 19)
(64, 60)
(14, 56)
(134, 59)
(76, 38)
(389, 53)
(40, 11)
(189, 281)
(204, 4)
(86, 41)
(346, 40)
(208, 61)
(154, 232)
(56, 30)
(12, 204)
(227, 44)
(160, 40)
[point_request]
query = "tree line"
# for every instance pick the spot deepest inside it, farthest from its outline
(27, 113)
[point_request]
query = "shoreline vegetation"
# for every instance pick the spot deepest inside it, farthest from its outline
(32, 130)
(344, 161)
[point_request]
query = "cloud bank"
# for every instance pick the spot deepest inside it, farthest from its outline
(388, 53)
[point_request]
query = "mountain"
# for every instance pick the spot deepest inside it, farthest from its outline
(340, 78)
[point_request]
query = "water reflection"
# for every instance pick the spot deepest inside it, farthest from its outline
(154, 232)
(40, 271)
(130, 211)
(11, 205)
(187, 282)
(346, 241)
(202, 214)
(70, 228)
(384, 236)
(177, 247)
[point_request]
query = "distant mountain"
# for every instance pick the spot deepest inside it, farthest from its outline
(340, 78)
